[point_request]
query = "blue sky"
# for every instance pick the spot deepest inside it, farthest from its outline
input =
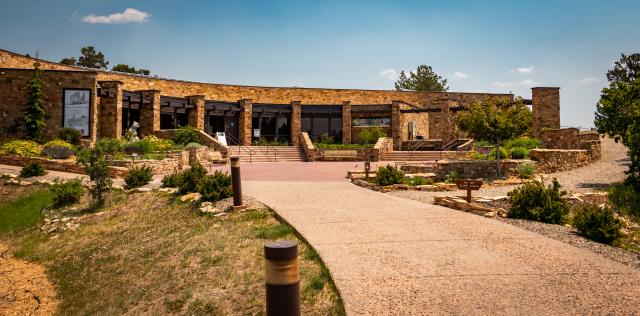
(488, 46)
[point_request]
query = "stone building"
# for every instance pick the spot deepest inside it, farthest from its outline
(113, 101)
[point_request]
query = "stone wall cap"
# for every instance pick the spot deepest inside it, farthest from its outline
(111, 81)
(545, 88)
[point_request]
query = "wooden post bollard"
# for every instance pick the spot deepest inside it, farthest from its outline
(236, 183)
(282, 278)
(367, 168)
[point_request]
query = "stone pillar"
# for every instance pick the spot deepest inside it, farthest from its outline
(346, 122)
(396, 125)
(296, 122)
(110, 111)
(545, 108)
(196, 115)
(150, 112)
(449, 123)
(245, 129)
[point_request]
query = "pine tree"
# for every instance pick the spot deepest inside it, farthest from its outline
(35, 111)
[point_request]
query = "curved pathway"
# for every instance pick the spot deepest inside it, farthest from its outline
(389, 255)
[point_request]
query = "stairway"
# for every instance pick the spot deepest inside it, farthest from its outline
(411, 156)
(267, 154)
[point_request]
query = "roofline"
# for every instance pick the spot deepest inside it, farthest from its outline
(92, 70)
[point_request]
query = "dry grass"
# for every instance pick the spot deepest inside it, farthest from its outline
(147, 254)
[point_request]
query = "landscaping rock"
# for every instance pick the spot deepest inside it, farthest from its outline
(9, 175)
(191, 197)
(45, 182)
(142, 189)
(168, 190)
(208, 208)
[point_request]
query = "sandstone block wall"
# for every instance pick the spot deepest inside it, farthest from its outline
(546, 108)
(478, 169)
(110, 110)
(196, 115)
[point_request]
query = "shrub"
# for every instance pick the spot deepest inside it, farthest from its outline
(70, 135)
(526, 170)
(67, 192)
(190, 178)
(98, 171)
(215, 187)
(138, 176)
(172, 180)
(23, 148)
(598, 224)
(33, 169)
(474, 155)
(327, 139)
(139, 147)
(451, 176)
(193, 145)
(110, 146)
(158, 144)
(536, 202)
(625, 199)
(492, 154)
(57, 149)
(370, 135)
(524, 142)
(418, 181)
(389, 175)
(186, 135)
(519, 152)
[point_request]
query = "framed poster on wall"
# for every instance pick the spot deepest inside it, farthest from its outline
(76, 111)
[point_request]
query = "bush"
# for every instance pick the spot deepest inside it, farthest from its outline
(536, 202)
(215, 187)
(139, 147)
(474, 155)
(110, 146)
(67, 192)
(598, 224)
(158, 144)
(33, 169)
(524, 142)
(451, 176)
(70, 135)
(418, 181)
(57, 149)
(138, 176)
(625, 199)
(98, 170)
(519, 152)
(492, 154)
(193, 145)
(172, 181)
(526, 170)
(370, 135)
(190, 178)
(389, 175)
(186, 135)
(23, 148)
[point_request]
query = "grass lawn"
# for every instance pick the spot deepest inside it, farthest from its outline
(149, 254)
(23, 212)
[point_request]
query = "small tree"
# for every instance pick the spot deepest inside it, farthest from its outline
(495, 119)
(129, 69)
(71, 61)
(424, 79)
(98, 171)
(36, 108)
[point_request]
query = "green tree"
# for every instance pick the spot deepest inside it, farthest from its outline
(36, 108)
(92, 59)
(424, 79)
(71, 61)
(618, 116)
(129, 69)
(496, 119)
(98, 170)
(626, 69)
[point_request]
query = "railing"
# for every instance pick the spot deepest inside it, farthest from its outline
(415, 147)
(241, 147)
(263, 142)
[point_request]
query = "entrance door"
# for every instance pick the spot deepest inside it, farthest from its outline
(227, 124)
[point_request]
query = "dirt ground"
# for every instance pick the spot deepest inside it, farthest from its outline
(24, 287)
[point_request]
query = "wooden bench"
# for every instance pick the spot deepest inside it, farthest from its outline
(338, 154)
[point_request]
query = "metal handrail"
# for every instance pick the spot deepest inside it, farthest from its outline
(264, 141)
(415, 147)
(250, 151)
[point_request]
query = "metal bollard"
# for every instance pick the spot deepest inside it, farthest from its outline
(236, 183)
(282, 278)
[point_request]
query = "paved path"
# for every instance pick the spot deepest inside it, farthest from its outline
(390, 255)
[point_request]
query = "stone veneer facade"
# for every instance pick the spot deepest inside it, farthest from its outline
(15, 71)
(546, 108)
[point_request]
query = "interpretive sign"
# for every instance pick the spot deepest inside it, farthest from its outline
(77, 110)
(469, 184)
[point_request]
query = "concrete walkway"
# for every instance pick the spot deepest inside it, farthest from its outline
(395, 256)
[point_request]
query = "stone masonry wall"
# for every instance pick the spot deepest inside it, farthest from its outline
(546, 109)
(110, 110)
(13, 97)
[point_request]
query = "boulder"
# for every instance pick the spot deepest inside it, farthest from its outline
(191, 197)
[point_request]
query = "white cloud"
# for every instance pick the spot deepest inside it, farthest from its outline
(390, 74)
(461, 75)
(501, 84)
(523, 70)
(128, 16)
(528, 82)
(588, 80)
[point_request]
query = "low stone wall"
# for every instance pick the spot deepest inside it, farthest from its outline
(470, 169)
(369, 154)
(204, 138)
(163, 166)
(307, 146)
(552, 160)
(566, 138)
(68, 165)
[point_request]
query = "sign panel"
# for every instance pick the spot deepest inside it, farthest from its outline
(77, 110)
(468, 184)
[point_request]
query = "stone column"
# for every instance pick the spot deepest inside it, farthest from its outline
(346, 122)
(545, 108)
(296, 122)
(196, 115)
(245, 129)
(150, 112)
(110, 111)
(396, 125)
